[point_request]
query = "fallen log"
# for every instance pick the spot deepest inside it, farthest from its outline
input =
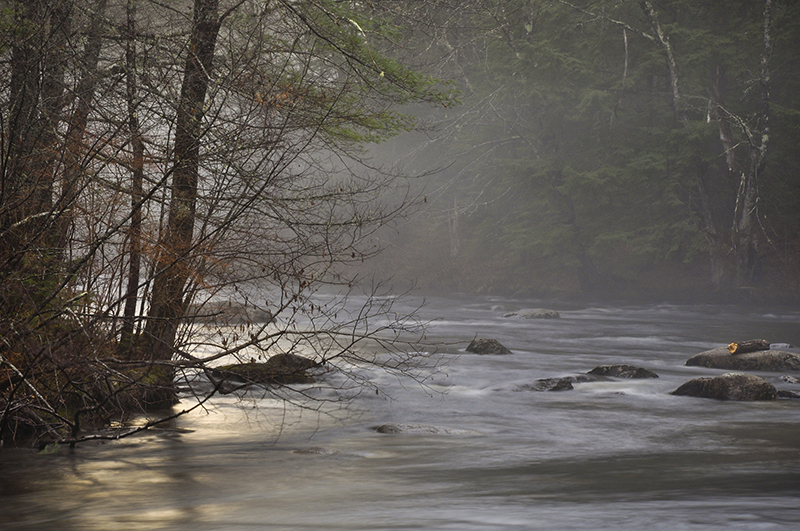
(753, 345)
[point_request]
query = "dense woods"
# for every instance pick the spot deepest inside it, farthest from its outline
(635, 150)
(177, 179)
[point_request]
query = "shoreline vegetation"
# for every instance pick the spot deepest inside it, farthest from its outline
(157, 157)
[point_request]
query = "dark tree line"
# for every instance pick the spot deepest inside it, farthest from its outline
(641, 149)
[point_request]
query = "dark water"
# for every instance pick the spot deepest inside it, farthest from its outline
(617, 454)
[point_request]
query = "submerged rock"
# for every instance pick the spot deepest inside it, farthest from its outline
(729, 386)
(534, 313)
(761, 360)
(622, 371)
(315, 450)
(550, 384)
(279, 369)
(487, 346)
(555, 384)
(422, 429)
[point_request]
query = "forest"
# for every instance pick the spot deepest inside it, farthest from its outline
(609, 150)
(178, 180)
(188, 182)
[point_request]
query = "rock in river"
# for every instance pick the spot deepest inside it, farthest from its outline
(279, 369)
(315, 450)
(729, 386)
(761, 360)
(487, 346)
(555, 384)
(534, 313)
(422, 429)
(622, 371)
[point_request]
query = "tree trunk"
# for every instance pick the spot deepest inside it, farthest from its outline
(455, 240)
(137, 174)
(30, 141)
(74, 150)
(663, 41)
(16, 189)
(54, 65)
(168, 305)
(718, 247)
(744, 234)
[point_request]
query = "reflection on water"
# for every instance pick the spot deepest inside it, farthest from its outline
(607, 455)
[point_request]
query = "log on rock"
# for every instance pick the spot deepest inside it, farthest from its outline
(753, 345)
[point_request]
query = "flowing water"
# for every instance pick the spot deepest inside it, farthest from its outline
(613, 454)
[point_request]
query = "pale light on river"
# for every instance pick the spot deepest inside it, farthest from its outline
(487, 454)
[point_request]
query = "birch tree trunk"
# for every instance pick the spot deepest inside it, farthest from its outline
(744, 236)
(663, 41)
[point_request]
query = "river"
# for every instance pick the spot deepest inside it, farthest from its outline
(615, 454)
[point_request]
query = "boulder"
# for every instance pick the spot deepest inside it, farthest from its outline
(784, 393)
(487, 346)
(555, 384)
(279, 369)
(762, 360)
(622, 371)
(534, 313)
(290, 363)
(729, 386)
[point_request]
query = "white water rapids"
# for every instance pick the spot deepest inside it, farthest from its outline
(614, 454)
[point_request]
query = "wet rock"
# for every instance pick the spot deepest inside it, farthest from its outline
(622, 371)
(279, 369)
(417, 429)
(785, 393)
(762, 360)
(290, 363)
(551, 384)
(789, 379)
(729, 386)
(487, 346)
(555, 384)
(315, 450)
(534, 313)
